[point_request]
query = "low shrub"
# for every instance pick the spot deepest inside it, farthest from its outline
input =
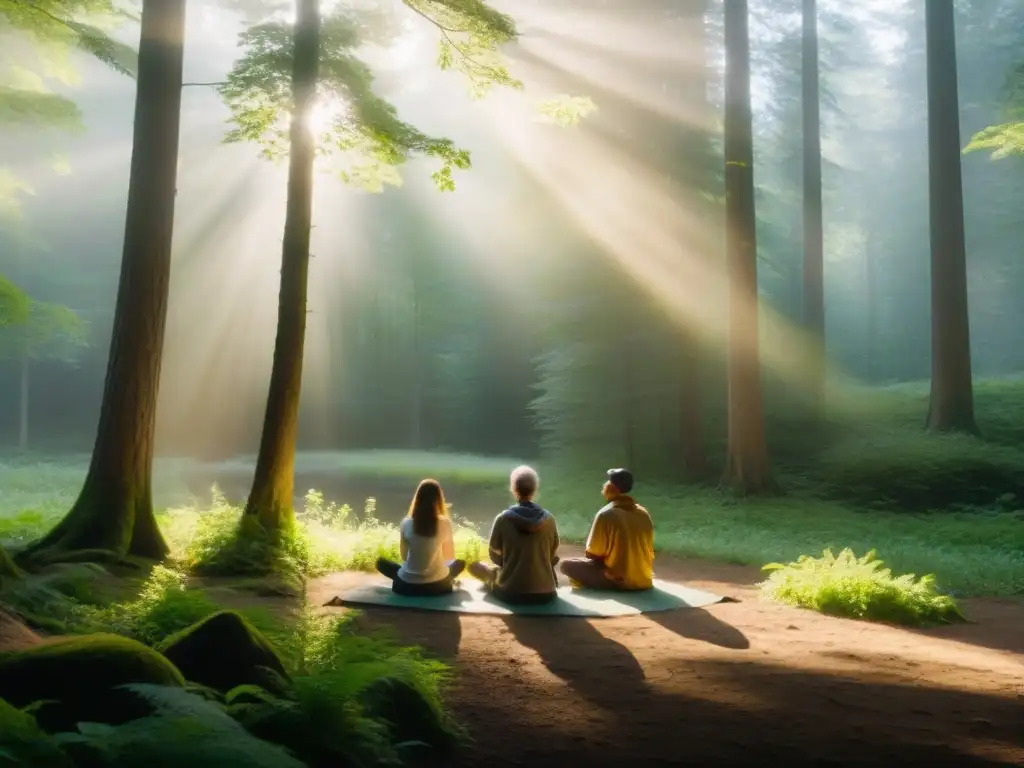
(859, 588)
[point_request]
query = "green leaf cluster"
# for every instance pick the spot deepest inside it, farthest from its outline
(1007, 138)
(362, 132)
(37, 329)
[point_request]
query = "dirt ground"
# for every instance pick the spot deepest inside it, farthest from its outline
(739, 683)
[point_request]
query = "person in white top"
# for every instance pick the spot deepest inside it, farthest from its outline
(427, 547)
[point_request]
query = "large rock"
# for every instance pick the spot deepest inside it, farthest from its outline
(224, 651)
(80, 676)
(409, 715)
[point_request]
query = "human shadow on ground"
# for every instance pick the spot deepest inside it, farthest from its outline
(739, 712)
(437, 632)
(698, 624)
(571, 648)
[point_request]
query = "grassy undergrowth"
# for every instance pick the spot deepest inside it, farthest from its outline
(971, 553)
(326, 537)
(858, 588)
(331, 715)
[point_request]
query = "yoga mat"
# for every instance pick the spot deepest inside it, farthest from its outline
(472, 598)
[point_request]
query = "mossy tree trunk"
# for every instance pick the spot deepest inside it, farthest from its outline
(814, 237)
(747, 467)
(951, 406)
(271, 498)
(114, 510)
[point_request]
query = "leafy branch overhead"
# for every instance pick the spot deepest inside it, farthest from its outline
(57, 25)
(356, 127)
(359, 128)
(1007, 138)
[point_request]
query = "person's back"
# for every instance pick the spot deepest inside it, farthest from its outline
(425, 558)
(620, 548)
(426, 545)
(524, 542)
(523, 547)
(624, 531)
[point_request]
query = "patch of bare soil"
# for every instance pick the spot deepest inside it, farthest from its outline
(14, 635)
(739, 683)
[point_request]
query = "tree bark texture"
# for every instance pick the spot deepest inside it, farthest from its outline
(747, 468)
(114, 510)
(951, 406)
(271, 499)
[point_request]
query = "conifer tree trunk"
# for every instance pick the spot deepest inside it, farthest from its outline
(814, 245)
(747, 468)
(951, 406)
(114, 510)
(271, 499)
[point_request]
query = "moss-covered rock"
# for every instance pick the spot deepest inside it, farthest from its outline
(412, 718)
(224, 651)
(79, 678)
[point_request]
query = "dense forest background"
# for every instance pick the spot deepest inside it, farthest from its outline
(535, 309)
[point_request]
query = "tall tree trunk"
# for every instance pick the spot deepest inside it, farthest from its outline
(747, 468)
(691, 428)
(114, 510)
(271, 499)
(814, 239)
(951, 406)
(23, 404)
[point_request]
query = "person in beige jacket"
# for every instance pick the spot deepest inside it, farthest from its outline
(523, 548)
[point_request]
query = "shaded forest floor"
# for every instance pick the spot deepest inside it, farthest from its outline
(742, 683)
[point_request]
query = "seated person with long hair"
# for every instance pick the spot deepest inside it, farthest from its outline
(427, 547)
(523, 547)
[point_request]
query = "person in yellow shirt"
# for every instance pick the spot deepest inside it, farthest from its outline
(620, 548)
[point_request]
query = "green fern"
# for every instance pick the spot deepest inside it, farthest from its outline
(183, 730)
(860, 588)
(24, 743)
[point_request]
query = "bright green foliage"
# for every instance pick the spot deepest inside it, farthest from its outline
(58, 26)
(51, 30)
(325, 538)
(49, 331)
(359, 131)
(164, 605)
(859, 588)
(472, 34)
(15, 305)
(1008, 138)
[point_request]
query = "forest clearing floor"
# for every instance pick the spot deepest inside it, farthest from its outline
(738, 683)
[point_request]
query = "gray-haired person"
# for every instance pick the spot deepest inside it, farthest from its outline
(523, 547)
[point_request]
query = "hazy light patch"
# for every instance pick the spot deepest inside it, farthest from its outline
(666, 244)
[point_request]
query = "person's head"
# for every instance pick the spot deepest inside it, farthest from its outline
(524, 483)
(619, 483)
(427, 505)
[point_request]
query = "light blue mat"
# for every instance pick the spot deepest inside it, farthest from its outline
(472, 598)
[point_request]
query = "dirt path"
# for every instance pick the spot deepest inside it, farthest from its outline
(745, 683)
